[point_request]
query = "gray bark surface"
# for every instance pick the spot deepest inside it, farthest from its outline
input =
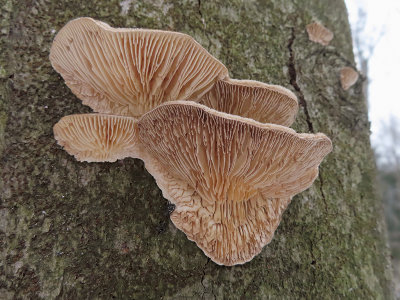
(72, 230)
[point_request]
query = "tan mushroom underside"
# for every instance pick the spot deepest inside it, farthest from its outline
(252, 99)
(229, 232)
(230, 177)
(219, 170)
(319, 34)
(130, 71)
(247, 228)
(348, 77)
(97, 137)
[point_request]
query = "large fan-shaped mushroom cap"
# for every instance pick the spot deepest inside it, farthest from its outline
(229, 177)
(97, 137)
(130, 71)
(253, 99)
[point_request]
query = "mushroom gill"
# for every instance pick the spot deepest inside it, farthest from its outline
(231, 174)
(252, 99)
(229, 177)
(130, 71)
(97, 137)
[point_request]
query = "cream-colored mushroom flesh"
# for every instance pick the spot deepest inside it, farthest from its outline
(130, 71)
(252, 99)
(97, 137)
(319, 33)
(229, 177)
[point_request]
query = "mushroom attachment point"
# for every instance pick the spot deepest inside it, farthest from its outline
(319, 33)
(253, 99)
(97, 137)
(348, 77)
(230, 177)
(130, 71)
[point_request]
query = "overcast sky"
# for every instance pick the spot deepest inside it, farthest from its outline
(382, 20)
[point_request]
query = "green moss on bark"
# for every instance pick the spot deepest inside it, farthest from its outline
(78, 230)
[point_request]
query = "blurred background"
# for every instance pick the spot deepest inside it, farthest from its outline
(376, 37)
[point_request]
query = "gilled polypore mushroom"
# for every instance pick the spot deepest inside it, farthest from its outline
(348, 77)
(319, 33)
(130, 71)
(230, 177)
(98, 137)
(253, 99)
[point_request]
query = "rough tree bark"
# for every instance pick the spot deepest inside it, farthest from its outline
(74, 230)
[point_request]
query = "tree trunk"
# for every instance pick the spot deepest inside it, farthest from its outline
(75, 230)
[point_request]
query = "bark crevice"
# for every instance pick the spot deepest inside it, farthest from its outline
(199, 9)
(321, 180)
(293, 80)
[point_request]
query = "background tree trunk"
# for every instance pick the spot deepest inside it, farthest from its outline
(101, 230)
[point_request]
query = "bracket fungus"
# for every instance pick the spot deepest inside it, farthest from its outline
(222, 154)
(319, 33)
(348, 77)
(127, 72)
(252, 99)
(130, 71)
(230, 177)
(97, 137)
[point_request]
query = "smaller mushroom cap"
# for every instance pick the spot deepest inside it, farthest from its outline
(230, 177)
(97, 137)
(253, 99)
(319, 33)
(128, 72)
(348, 77)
